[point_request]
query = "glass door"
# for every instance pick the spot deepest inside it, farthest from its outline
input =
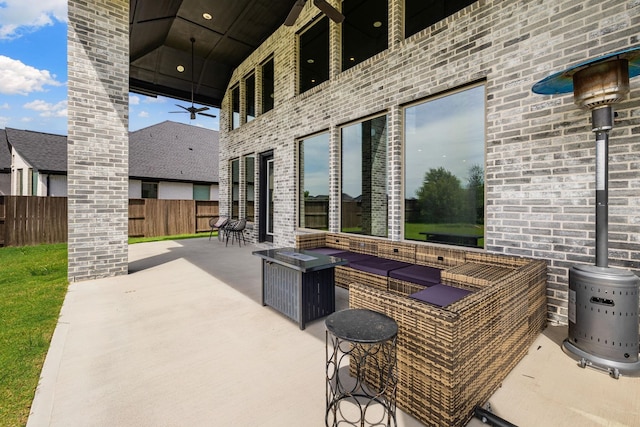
(267, 188)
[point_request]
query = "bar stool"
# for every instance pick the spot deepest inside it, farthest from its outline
(361, 368)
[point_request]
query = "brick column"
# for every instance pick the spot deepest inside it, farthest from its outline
(98, 139)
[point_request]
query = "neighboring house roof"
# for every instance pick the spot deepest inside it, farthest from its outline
(174, 151)
(45, 152)
(5, 153)
(165, 151)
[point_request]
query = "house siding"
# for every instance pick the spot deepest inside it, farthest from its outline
(540, 151)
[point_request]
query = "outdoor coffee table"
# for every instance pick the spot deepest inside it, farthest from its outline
(298, 283)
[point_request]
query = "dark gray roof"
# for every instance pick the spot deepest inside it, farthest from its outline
(166, 151)
(174, 151)
(5, 153)
(45, 152)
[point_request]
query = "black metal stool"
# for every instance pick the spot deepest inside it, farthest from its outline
(361, 368)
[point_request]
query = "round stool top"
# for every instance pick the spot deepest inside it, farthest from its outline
(360, 325)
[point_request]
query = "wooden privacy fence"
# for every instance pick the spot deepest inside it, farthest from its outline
(26, 220)
(156, 217)
(31, 220)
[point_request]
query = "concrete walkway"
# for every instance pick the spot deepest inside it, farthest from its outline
(183, 340)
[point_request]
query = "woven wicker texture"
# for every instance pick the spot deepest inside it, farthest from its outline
(363, 245)
(405, 252)
(452, 359)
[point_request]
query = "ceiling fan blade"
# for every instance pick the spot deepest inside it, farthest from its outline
(182, 106)
(181, 112)
(208, 115)
(197, 110)
(294, 13)
(329, 10)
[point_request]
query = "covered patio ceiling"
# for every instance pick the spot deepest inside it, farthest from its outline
(225, 31)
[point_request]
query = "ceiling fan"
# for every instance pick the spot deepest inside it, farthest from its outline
(193, 110)
(325, 7)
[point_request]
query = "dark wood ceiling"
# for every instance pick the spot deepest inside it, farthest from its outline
(159, 41)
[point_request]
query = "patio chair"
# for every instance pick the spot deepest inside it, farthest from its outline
(236, 231)
(218, 224)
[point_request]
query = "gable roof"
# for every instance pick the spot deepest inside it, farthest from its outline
(5, 153)
(174, 151)
(45, 152)
(165, 151)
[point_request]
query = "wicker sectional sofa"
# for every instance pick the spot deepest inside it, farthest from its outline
(451, 358)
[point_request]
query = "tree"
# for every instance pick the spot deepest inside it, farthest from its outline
(441, 197)
(475, 195)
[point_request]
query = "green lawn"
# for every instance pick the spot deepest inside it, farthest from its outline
(412, 230)
(33, 284)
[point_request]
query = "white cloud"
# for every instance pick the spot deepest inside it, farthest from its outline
(21, 79)
(134, 100)
(4, 106)
(20, 16)
(4, 121)
(143, 114)
(46, 109)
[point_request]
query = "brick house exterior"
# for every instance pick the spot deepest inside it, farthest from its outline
(539, 150)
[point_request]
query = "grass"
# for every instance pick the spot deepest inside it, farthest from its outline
(133, 240)
(412, 230)
(33, 284)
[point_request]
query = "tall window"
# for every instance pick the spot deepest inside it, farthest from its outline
(421, 14)
(249, 187)
(364, 31)
(364, 204)
(20, 183)
(250, 96)
(444, 169)
(235, 188)
(314, 55)
(314, 182)
(235, 107)
(268, 85)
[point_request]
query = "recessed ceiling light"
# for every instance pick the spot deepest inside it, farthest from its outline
(207, 16)
(377, 24)
(352, 59)
(310, 61)
(180, 68)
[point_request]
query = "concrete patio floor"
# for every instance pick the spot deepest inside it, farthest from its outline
(183, 340)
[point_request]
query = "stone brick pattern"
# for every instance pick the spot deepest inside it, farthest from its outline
(540, 151)
(98, 140)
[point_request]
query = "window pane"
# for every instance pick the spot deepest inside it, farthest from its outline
(314, 55)
(364, 31)
(201, 192)
(250, 95)
(235, 107)
(235, 188)
(149, 190)
(314, 182)
(421, 14)
(364, 178)
(267, 86)
(444, 169)
(249, 176)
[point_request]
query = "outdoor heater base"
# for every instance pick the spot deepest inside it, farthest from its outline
(615, 369)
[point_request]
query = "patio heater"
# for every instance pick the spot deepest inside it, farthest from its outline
(603, 301)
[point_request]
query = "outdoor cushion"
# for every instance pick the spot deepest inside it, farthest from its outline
(325, 250)
(440, 295)
(419, 274)
(379, 266)
(352, 256)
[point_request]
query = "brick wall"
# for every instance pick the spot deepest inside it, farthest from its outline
(98, 141)
(540, 152)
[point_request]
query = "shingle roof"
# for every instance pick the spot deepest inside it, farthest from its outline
(45, 152)
(165, 151)
(174, 151)
(5, 152)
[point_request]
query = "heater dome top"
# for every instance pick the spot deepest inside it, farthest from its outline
(562, 82)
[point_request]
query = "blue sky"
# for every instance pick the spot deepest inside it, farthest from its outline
(33, 73)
